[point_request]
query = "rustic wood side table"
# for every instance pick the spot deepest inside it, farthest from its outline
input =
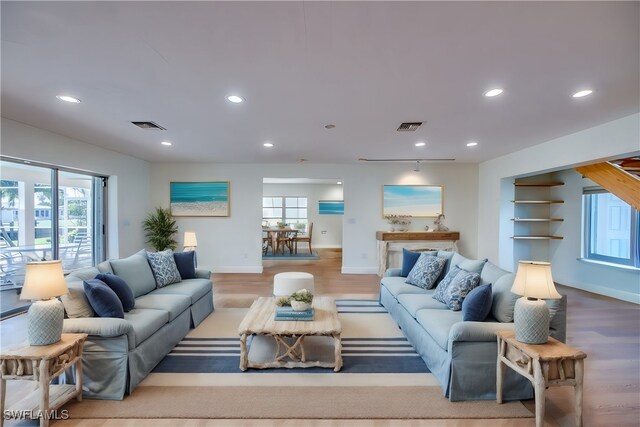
(42, 363)
(545, 365)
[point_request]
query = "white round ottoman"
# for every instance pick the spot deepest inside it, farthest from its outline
(284, 284)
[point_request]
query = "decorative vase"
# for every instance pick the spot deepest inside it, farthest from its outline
(300, 306)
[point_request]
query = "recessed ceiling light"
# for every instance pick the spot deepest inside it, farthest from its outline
(235, 99)
(493, 92)
(472, 144)
(420, 144)
(67, 98)
(339, 182)
(582, 93)
(268, 144)
(167, 143)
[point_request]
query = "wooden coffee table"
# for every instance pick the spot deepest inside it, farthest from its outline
(289, 335)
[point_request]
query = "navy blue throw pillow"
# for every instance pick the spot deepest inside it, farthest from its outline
(477, 305)
(409, 259)
(186, 264)
(120, 287)
(103, 300)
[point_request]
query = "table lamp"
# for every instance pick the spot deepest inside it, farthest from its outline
(44, 282)
(190, 244)
(531, 315)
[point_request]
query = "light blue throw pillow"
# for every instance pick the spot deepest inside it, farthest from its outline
(426, 271)
(477, 305)
(164, 267)
(136, 272)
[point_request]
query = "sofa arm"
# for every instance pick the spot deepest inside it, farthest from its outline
(105, 327)
(393, 272)
(201, 273)
(477, 331)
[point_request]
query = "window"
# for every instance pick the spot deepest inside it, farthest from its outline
(47, 213)
(610, 229)
(290, 210)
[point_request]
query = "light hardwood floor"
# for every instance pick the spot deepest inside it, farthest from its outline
(604, 328)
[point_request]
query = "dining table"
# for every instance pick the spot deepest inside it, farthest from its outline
(274, 233)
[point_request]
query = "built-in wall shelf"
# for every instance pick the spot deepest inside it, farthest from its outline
(537, 184)
(534, 203)
(536, 219)
(537, 237)
(537, 202)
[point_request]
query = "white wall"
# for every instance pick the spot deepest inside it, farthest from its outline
(234, 244)
(610, 140)
(331, 225)
(128, 177)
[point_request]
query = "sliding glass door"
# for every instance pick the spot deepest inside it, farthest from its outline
(48, 213)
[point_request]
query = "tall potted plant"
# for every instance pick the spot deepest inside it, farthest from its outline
(160, 229)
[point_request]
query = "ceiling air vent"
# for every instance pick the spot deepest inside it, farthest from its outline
(148, 125)
(409, 126)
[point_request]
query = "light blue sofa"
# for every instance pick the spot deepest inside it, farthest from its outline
(462, 355)
(120, 353)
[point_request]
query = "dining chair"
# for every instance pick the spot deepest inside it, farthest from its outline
(285, 240)
(267, 242)
(304, 238)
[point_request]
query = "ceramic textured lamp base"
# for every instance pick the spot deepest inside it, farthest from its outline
(531, 319)
(45, 322)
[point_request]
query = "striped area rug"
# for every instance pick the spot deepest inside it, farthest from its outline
(371, 343)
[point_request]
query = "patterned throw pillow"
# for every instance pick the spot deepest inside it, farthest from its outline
(426, 271)
(164, 267)
(440, 292)
(463, 283)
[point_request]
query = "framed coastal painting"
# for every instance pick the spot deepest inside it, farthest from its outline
(331, 207)
(414, 200)
(199, 198)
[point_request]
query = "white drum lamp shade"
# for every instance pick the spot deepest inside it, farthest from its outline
(284, 284)
(190, 240)
(43, 283)
(531, 315)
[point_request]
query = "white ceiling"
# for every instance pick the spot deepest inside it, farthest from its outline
(363, 66)
(330, 181)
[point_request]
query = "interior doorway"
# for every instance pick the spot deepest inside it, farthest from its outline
(300, 217)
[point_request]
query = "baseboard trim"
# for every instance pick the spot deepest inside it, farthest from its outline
(607, 292)
(359, 270)
(238, 269)
(327, 246)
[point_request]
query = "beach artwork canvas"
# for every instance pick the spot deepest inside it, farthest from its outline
(200, 198)
(331, 207)
(414, 200)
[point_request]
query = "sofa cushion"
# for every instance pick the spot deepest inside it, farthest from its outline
(75, 302)
(136, 272)
(477, 305)
(415, 302)
(186, 263)
(103, 299)
(491, 273)
(472, 265)
(503, 299)
(446, 255)
(120, 287)
(174, 304)
(105, 267)
(438, 323)
(396, 286)
(426, 271)
(409, 259)
(193, 288)
(164, 267)
(145, 322)
(82, 274)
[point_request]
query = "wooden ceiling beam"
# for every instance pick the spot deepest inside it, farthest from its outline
(617, 181)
